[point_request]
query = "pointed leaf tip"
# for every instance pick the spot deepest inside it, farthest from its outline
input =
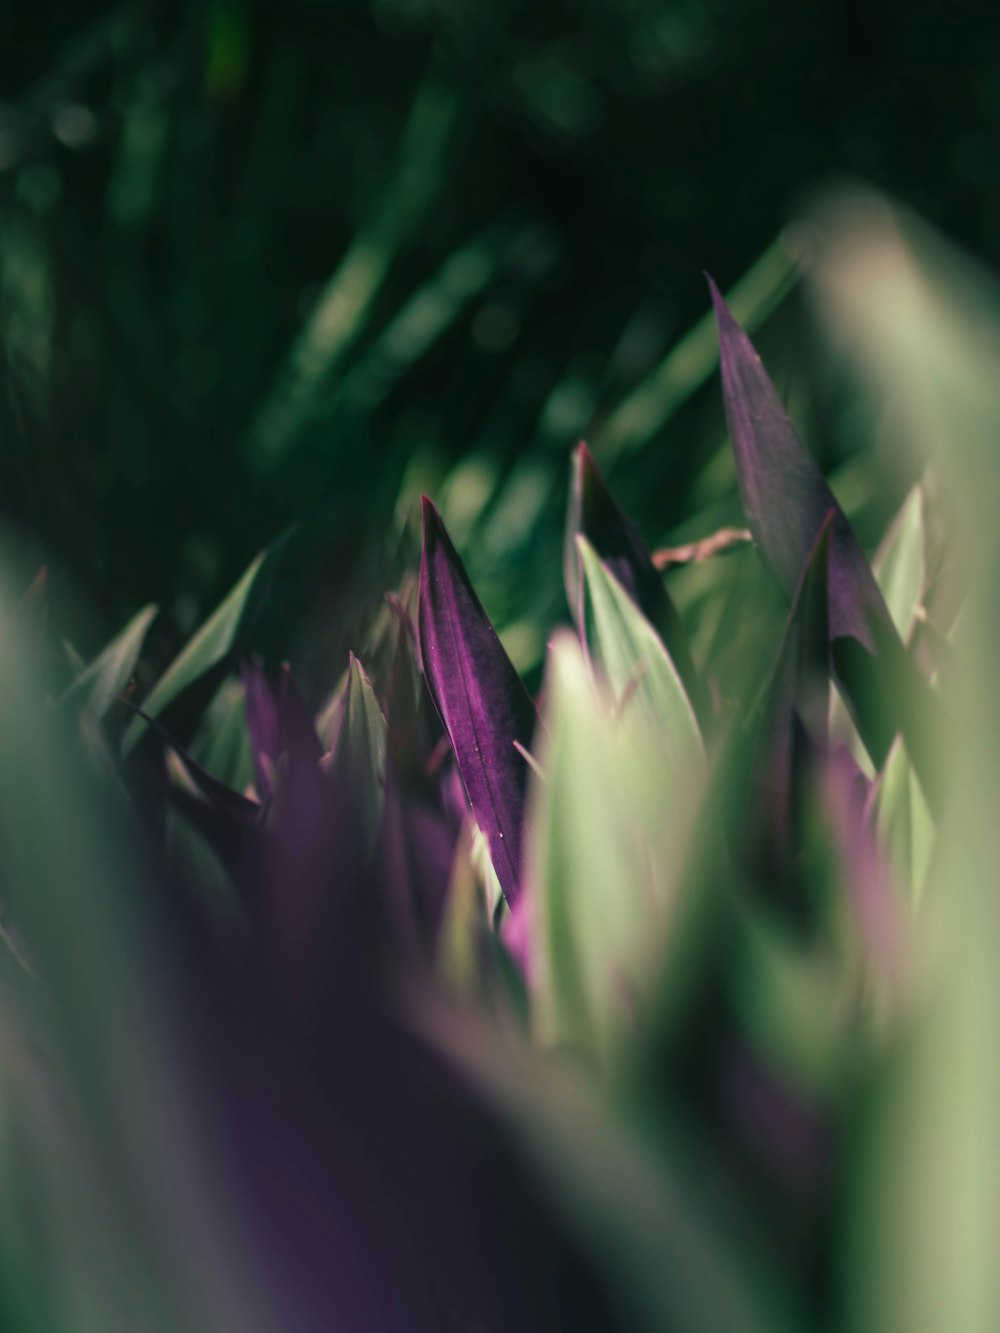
(479, 696)
(596, 515)
(785, 496)
(786, 500)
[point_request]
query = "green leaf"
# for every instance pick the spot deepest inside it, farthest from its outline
(110, 671)
(219, 636)
(904, 822)
(602, 847)
(574, 860)
(625, 1180)
(638, 669)
(358, 750)
(899, 564)
(222, 743)
(189, 852)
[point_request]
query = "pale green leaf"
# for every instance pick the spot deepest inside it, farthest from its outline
(635, 663)
(598, 865)
(904, 823)
(899, 564)
(110, 671)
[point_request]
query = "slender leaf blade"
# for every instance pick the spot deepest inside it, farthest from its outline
(218, 637)
(358, 751)
(786, 500)
(637, 666)
(594, 513)
(899, 564)
(110, 671)
(785, 496)
(586, 890)
(480, 697)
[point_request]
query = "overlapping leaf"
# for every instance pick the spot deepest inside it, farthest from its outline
(595, 514)
(637, 666)
(786, 500)
(280, 727)
(609, 817)
(110, 671)
(480, 697)
(214, 643)
(358, 750)
(793, 726)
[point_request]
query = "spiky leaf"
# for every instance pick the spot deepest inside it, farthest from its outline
(110, 671)
(480, 697)
(595, 514)
(786, 500)
(638, 669)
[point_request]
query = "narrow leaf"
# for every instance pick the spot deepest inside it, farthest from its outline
(794, 732)
(785, 496)
(479, 695)
(786, 500)
(218, 637)
(358, 752)
(899, 564)
(904, 822)
(221, 743)
(110, 671)
(585, 890)
(608, 832)
(637, 666)
(262, 725)
(594, 513)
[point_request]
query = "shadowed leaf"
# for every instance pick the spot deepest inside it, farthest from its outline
(358, 750)
(794, 730)
(899, 563)
(482, 702)
(595, 514)
(110, 671)
(786, 500)
(636, 664)
(218, 637)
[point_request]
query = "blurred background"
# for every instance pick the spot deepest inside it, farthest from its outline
(263, 262)
(265, 265)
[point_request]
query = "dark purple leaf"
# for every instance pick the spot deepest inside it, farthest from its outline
(297, 729)
(861, 867)
(416, 848)
(793, 731)
(406, 741)
(210, 789)
(420, 828)
(786, 500)
(280, 725)
(785, 496)
(262, 724)
(482, 702)
(595, 514)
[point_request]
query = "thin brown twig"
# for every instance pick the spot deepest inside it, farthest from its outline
(693, 552)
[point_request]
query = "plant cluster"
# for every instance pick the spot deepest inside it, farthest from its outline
(439, 1005)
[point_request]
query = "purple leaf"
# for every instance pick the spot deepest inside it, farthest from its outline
(279, 725)
(861, 866)
(296, 728)
(262, 724)
(595, 514)
(482, 702)
(785, 496)
(794, 727)
(786, 500)
(416, 849)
